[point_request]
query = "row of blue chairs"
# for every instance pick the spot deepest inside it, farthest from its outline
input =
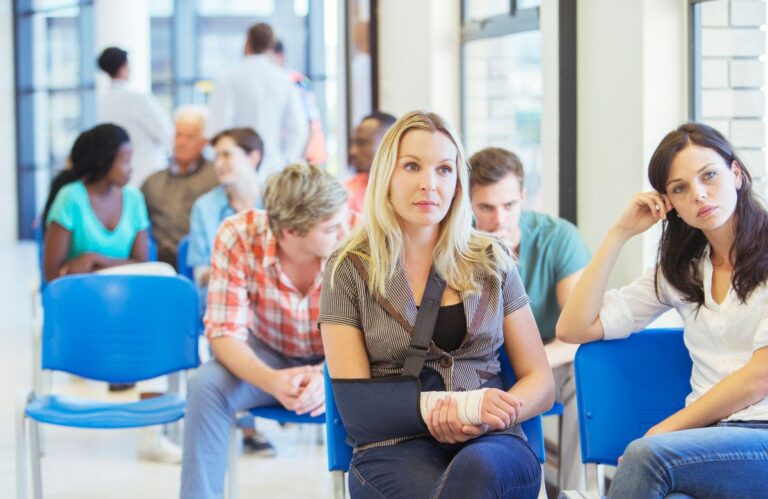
(122, 329)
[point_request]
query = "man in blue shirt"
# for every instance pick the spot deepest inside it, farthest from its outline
(551, 256)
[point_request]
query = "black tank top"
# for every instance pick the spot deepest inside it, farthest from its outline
(451, 327)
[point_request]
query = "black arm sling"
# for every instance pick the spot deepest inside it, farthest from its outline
(378, 409)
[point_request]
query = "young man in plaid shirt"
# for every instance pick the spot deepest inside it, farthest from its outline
(263, 305)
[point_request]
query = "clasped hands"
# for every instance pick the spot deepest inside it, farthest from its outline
(499, 411)
(299, 389)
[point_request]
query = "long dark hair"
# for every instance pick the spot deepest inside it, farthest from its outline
(682, 246)
(90, 159)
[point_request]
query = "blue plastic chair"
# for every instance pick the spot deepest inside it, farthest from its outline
(113, 328)
(624, 387)
(182, 267)
(340, 453)
(151, 246)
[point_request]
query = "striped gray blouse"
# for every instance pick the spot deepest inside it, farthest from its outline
(387, 335)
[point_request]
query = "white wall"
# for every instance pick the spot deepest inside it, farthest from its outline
(631, 77)
(419, 57)
(8, 212)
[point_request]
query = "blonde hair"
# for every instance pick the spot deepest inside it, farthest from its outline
(461, 251)
(300, 196)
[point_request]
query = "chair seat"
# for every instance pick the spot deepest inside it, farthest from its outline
(80, 413)
(283, 415)
(557, 410)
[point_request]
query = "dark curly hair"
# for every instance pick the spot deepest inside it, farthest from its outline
(90, 159)
(682, 246)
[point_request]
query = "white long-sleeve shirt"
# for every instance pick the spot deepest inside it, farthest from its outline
(259, 93)
(147, 124)
(720, 338)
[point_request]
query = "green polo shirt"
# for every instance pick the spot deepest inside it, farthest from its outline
(551, 249)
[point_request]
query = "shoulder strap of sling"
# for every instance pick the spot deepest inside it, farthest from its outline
(426, 318)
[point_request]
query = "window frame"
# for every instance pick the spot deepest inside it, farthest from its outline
(524, 20)
(28, 167)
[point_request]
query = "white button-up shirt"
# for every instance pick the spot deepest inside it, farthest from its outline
(260, 94)
(147, 124)
(720, 338)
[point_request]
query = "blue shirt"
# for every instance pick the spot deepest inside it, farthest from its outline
(551, 249)
(72, 210)
(208, 212)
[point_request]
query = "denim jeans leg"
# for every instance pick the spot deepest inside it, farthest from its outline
(407, 470)
(490, 467)
(704, 463)
(214, 397)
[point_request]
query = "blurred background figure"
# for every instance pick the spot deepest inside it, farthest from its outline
(316, 152)
(260, 94)
(140, 114)
(362, 148)
(170, 193)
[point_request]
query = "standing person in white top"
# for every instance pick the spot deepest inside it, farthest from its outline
(712, 269)
(260, 94)
(147, 124)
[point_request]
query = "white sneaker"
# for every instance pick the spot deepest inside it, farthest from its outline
(154, 446)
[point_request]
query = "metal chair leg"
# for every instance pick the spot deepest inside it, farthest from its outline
(543, 490)
(231, 485)
(601, 480)
(37, 479)
(596, 478)
(339, 485)
(21, 450)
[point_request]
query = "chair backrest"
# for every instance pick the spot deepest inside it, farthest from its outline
(181, 259)
(340, 453)
(532, 427)
(151, 246)
(120, 328)
(624, 387)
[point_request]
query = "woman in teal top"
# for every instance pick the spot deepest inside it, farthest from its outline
(93, 220)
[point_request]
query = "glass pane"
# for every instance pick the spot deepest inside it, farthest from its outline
(161, 8)
(480, 9)
(53, 4)
(731, 86)
(525, 4)
(502, 107)
(161, 47)
(236, 7)
(63, 48)
(64, 124)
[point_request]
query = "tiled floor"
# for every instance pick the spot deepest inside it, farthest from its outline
(81, 464)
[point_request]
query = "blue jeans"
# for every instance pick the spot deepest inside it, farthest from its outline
(725, 461)
(491, 466)
(214, 397)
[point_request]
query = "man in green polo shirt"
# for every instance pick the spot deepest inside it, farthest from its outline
(551, 257)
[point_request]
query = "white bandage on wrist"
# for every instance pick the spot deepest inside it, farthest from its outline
(469, 405)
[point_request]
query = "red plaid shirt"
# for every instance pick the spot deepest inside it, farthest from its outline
(249, 293)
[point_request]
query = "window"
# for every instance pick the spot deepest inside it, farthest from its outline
(503, 93)
(54, 93)
(728, 76)
(502, 97)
